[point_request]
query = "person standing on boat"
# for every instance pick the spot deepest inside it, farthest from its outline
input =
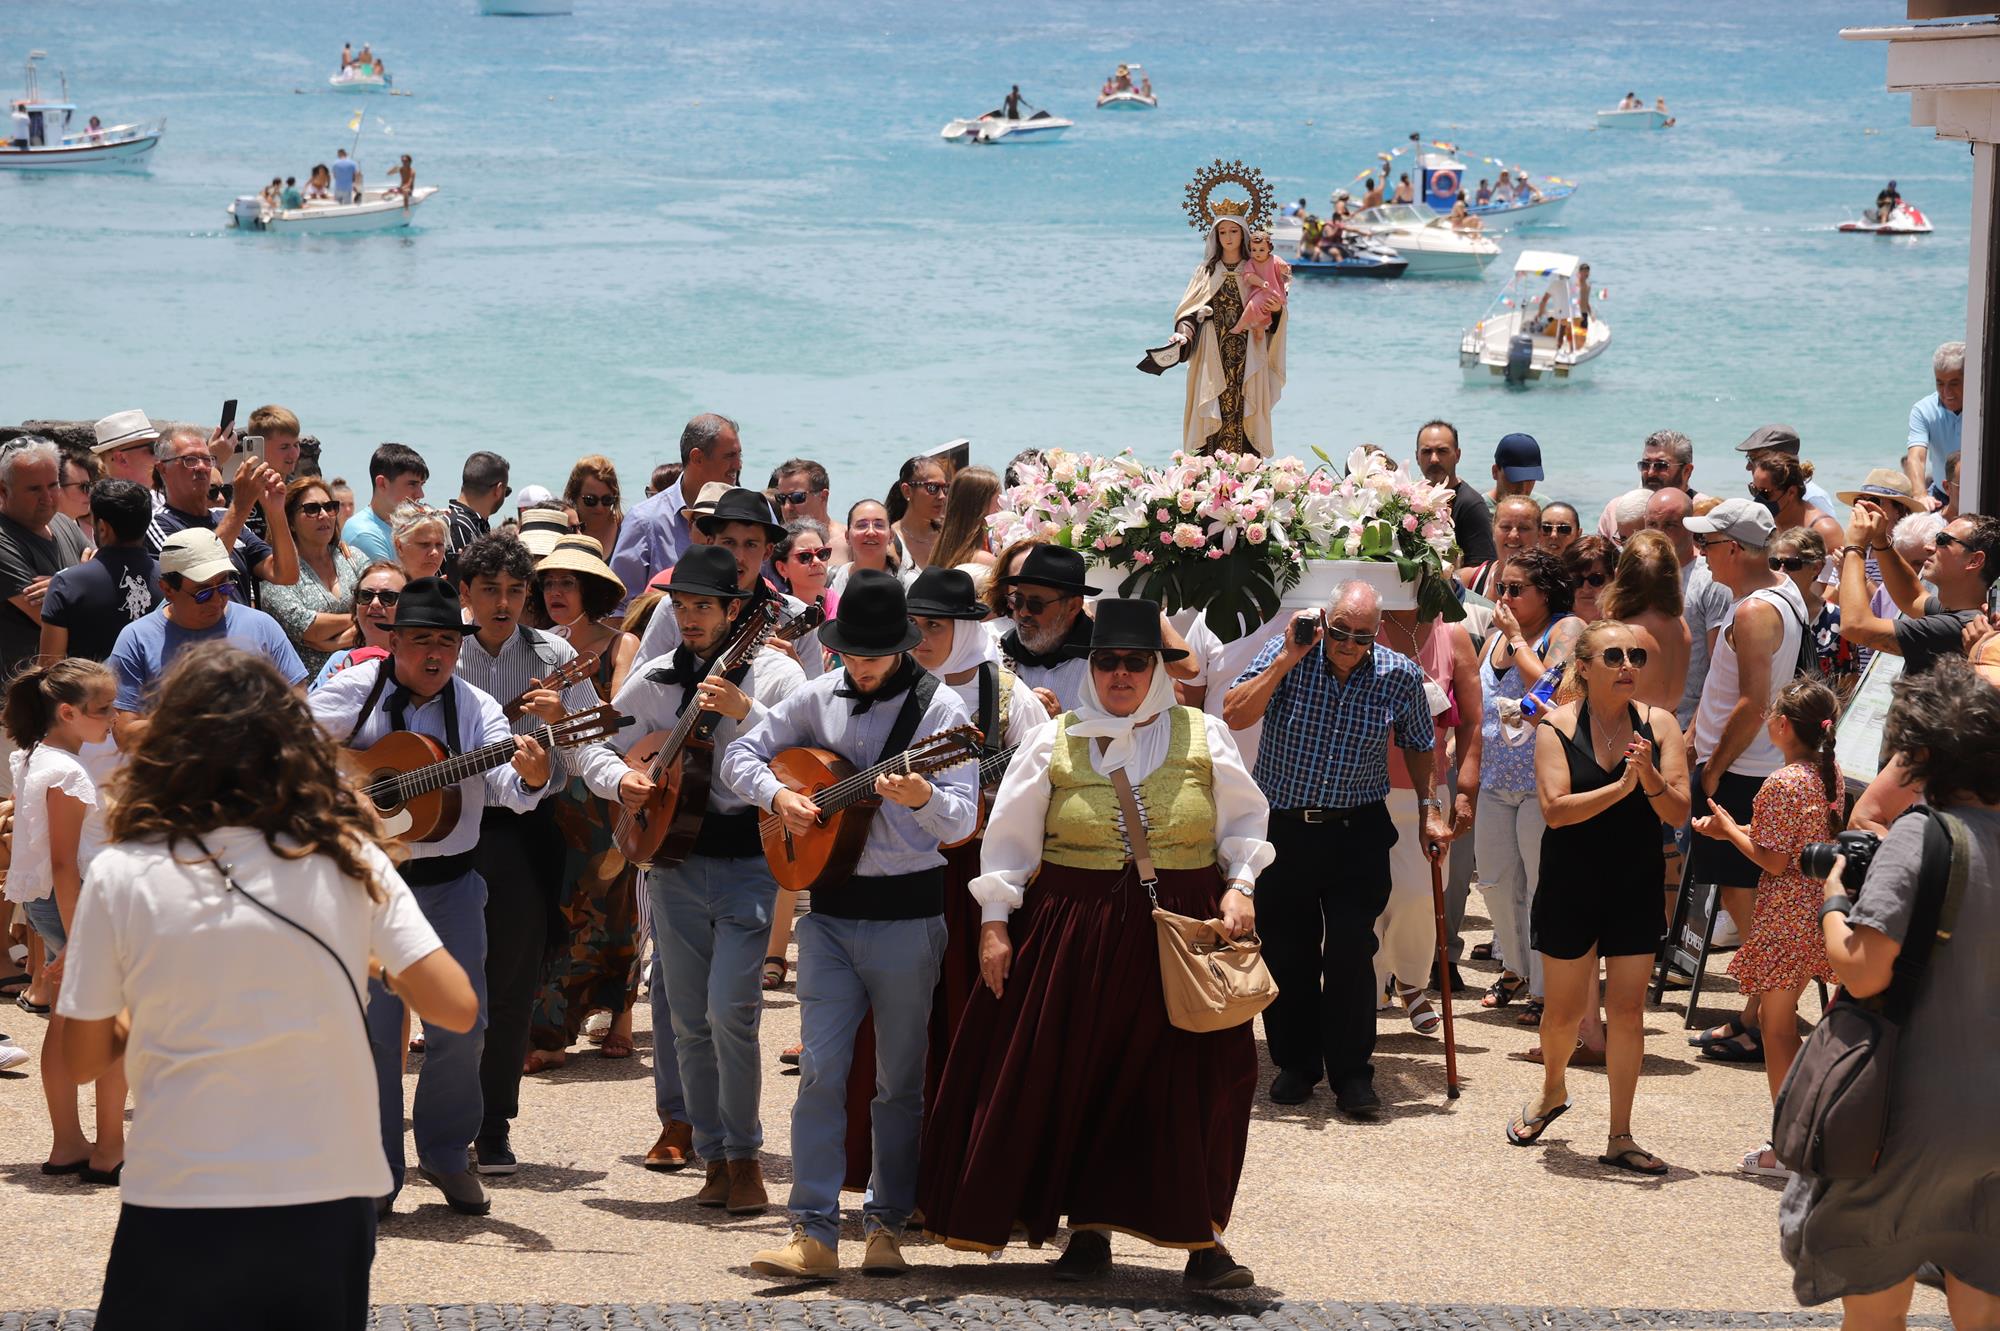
(22, 126)
(346, 177)
(1011, 107)
(406, 181)
(347, 55)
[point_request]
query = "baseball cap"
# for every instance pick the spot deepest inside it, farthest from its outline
(196, 553)
(1519, 457)
(1781, 437)
(1744, 521)
(532, 496)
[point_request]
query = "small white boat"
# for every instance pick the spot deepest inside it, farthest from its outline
(353, 79)
(54, 143)
(1904, 220)
(1433, 247)
(526, 8)
(1529, 334)
(1128, 90)
(376, 210)
(1041, 127)
(1632, 117)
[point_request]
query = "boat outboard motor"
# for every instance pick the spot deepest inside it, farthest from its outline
(1520, 357)
(249, 212)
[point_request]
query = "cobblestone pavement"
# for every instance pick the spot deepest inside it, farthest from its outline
(975, 1314)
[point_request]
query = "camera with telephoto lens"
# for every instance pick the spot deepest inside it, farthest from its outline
(1816, 860)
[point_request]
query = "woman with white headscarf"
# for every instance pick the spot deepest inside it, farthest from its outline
(1069, 1094)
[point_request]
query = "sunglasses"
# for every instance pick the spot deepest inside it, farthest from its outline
(1593, 579)
(794, 496)
(1359, 637)
(597, 501)
(1617, 657)
(1558, 528)
(820, 556)
(1132, 663)
(1656, 465)
(1034, 605)
(935, 489)
(371, 595)
(1945, 540)
(1703, 542)
(1789, 563)
(203, 595)
(1510, 588)
(217, 495)
(318, 508)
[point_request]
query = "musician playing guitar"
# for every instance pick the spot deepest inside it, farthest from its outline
(876, 940)
(417, 689)
(743, 526)
(519, 855)
(712, 910)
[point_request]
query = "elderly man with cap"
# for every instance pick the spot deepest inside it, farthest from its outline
(742, 525)
(418, 689)
(198, 584)
(876, 942)
(1755, 655)
(1517, 465)
(712, 911)
(657, 530)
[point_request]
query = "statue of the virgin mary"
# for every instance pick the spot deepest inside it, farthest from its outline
(1234, 379)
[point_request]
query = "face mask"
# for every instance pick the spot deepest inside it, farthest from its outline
(1766, 501)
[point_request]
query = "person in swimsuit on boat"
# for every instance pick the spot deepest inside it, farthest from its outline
(406, 181)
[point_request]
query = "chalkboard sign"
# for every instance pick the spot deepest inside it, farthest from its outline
(1857, 741)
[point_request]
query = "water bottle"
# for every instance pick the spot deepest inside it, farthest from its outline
(1542, 696)
(1518, 717)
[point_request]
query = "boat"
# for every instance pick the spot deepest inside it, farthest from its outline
(377, 210)
(1505, 347)
(1365, 258)
(1904, 220)
(1433, 246)
(55, 143)
(1442, 174)
(993, 127)
(1632, 117)
(353, 79)
(527, 8)
(1128, 90)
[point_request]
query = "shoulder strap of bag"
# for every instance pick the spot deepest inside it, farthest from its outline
(915, 703)
(367, 704)
(1135, 833)
(1941, 881)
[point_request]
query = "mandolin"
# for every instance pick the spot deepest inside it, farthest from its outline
(412, 780)
(991, 768)
(681, 762)
(825, 857)
(573, 671)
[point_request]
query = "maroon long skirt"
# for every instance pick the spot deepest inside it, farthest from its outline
(1072, 1095)
(957, 977)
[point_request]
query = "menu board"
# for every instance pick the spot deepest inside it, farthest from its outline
(1858, 737)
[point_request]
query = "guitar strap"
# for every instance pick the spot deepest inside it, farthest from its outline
(387, 668)
(541, 646)
(989, 706)
(915, 703)
(399, 698)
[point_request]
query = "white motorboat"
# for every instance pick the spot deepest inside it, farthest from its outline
(1904, 220)
(1632, 117)
(55, 143)
(1431, 244)
(993, 127)
(527, 8)
(376, 210)
(1128, 90)
(355, 79)
(1529, 334)
(1441, 174)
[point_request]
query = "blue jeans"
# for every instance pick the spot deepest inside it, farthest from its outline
(711, 919)
(446, 1111)
(845, 968)
(46, 916)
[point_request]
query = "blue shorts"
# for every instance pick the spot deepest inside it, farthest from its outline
(47, 919)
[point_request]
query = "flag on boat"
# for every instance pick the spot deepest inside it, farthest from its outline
(355, 124)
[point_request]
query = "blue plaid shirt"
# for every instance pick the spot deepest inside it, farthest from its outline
(1326, 744)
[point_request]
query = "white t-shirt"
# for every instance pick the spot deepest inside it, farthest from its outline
(251, 1075)
(37, 771)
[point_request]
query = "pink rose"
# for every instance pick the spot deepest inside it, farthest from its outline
(1143, 557)
(1214, 554)
(1409, 522)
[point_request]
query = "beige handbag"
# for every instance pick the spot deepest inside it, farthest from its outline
(1211, 982)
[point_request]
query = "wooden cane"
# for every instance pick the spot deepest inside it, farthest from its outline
(1435, 854)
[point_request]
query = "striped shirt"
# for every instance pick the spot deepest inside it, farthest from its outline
(1326, 744)
(526, 656)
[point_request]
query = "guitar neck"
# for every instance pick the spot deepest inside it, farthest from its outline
(861, 786)
(747, 643)
(463, 766)
(994, 766)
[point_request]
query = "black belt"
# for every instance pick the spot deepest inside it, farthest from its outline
(1316, 816)
(902, 896)
(436, 869)
(729, 836)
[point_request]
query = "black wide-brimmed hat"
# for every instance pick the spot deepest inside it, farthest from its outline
(741, 505)
(945, 593)
(873, 619)
(1052, 566)
(429, 603)
(706, 570)
(1126, 625)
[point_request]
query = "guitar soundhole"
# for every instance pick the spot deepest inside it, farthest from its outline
(377, 778)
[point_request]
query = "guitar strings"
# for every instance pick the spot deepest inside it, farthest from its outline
(943, 750)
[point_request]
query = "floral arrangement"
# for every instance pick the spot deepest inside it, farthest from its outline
(1230, 533)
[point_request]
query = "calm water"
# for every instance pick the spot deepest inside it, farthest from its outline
(654, 208)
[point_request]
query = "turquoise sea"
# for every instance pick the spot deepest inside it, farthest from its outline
(654, 207)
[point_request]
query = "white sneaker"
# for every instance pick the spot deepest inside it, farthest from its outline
(1726, 932)
(12, 1056)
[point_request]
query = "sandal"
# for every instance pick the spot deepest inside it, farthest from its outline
(775, 970)
(1583, 1056)
(1423, 1014)
(1504, 990)
(31, 1008)
(1735, 1050)
(1531, 1013)
(541, 1060)
(1728, 1030)
(616, 1046)
(1533, 1125)
(1482, 951)
(596, 1026)
(1753, 1163)
(1633, 1159)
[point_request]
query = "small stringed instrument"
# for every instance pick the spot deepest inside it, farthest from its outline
(573, 671)
(991, 768)
(413, 779)
(824, 857)
(681, 762)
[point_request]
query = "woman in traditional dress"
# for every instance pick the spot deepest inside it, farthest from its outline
(595, 967)
(1137, 1125)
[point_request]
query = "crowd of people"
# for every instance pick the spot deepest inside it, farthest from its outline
(206, 642)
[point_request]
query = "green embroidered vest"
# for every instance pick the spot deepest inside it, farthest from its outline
(1084, 828)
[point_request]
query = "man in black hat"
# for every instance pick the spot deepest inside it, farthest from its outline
(743, 526)
(712, 913)
(1050, 639)
(875, 943)
(416, 689)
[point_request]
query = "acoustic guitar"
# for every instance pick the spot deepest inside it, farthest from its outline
(824, 858)
(573, 671)
(991, 768)
(412, 780)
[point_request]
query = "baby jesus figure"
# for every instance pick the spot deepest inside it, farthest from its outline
(1264, 277)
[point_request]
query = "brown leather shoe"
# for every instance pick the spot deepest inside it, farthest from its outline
(715, 1192)
(675, 1148)
(746, 1187)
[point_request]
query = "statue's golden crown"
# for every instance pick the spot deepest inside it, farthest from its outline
(1204, 210)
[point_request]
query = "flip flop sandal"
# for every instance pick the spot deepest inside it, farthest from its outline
(1729, 1051)
(1633, 1159)
(1534, 1127)
(1531, 1013)
(1731, 1029)
(32, 1009)
(1482, 951)
(775, 970)
(1504, 991)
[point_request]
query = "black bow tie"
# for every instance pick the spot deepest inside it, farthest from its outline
(905, 677)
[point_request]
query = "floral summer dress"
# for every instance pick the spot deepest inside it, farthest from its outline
(1785, 949)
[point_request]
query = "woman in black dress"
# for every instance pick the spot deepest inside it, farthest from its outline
(1609, 771)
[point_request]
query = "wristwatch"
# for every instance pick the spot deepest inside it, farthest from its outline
(1430, 804)
(1836, 905)
(1238, 885)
